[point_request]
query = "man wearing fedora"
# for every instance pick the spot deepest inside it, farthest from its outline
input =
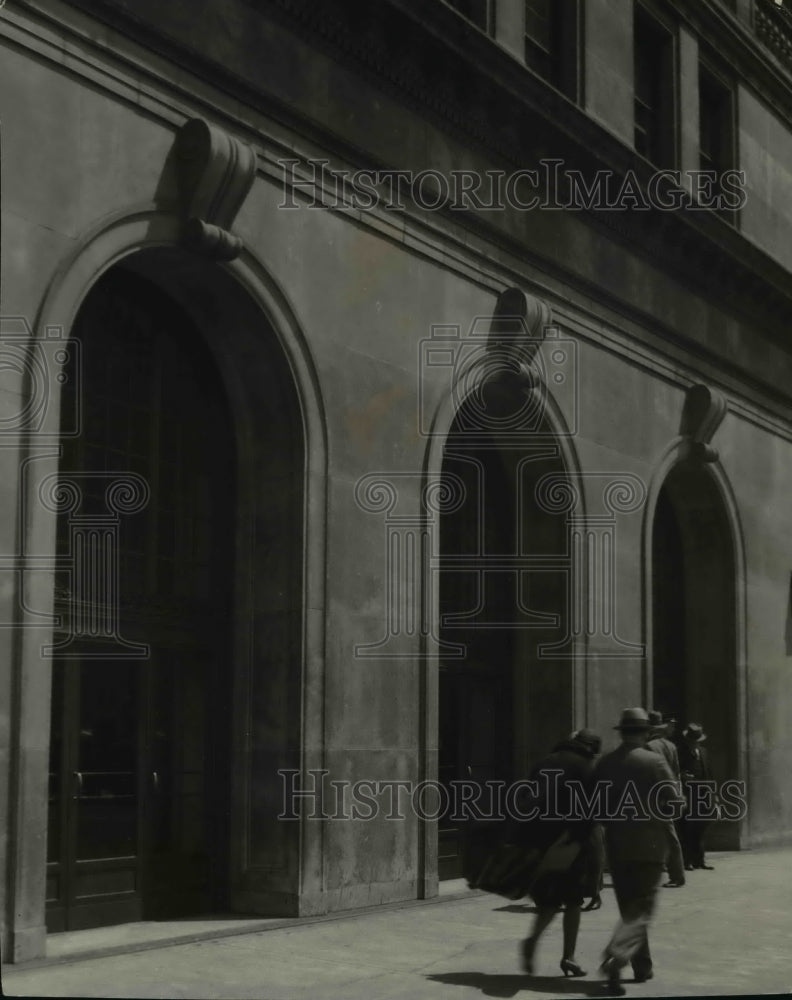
(642, 795)
(701, 801)
(659, 742)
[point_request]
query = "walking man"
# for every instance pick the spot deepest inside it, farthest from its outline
(659, 742)
(640, 790)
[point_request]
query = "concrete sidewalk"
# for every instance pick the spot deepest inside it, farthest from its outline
(727, 932)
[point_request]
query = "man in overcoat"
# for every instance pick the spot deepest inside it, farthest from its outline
(700, 796)
(642, 797)
(659, 742)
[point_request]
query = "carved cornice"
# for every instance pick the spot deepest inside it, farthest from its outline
(696, 246)
(457, 77)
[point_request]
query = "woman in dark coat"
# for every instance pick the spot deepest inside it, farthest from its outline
(552, 890)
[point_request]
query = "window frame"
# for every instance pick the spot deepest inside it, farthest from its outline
(663, 149)
(566, 51)
(721, 79)
(489, 15)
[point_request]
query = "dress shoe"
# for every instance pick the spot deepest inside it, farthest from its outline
(613, 986)
(570, 968)
(707, 868)
(642, 977)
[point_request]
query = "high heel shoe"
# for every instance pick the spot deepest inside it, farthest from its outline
(570, 968)
(528, 947)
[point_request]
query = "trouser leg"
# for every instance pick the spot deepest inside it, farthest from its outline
(698, 829)
(686, 841)
(676, 863)
(641, 960)
(635, 886)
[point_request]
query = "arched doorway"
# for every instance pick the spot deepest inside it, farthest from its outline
(275, 660)
(503, 590)
(694, 608)
(140, 726)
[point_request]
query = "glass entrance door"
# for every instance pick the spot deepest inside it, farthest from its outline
(139, 736)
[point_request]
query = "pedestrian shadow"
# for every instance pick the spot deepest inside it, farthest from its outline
(510, 985)
(529, 907)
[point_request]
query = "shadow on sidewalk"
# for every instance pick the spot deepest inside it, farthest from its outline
(510, 985)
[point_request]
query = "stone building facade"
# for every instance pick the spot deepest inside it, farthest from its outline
(373, 407)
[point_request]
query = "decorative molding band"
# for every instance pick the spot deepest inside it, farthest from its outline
(512, 100)
(216, 173)
(167, 101)
(743, 276)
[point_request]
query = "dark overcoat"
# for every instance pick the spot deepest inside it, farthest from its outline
(642, 781)
(568, 769)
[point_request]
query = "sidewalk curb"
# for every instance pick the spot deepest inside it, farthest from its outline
(266, 924)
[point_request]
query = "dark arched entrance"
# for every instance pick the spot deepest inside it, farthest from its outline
(694, 616)
(503, 595)
(140, 743)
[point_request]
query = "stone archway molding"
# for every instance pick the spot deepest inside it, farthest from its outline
(136, 229)
(504, 345)
(703, 412)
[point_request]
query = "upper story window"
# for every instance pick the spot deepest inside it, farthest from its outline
(716, 121)
(552, 43)
(540, 37)
(717, 132)
(479, 12)
(655, 90)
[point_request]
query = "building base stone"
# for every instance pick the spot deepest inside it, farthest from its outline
(26, 944)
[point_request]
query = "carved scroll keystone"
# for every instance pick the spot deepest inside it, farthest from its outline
(516, 333)
(519, 324)
(702, 415)
(216, 173)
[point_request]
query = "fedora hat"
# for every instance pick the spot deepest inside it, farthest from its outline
(656, 721)
(634, 718)
(695, 732)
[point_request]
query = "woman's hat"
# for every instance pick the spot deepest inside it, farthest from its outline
(694, 732)
(634, 719)
(588, 738)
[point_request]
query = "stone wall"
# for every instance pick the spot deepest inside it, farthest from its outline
(362, 291)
